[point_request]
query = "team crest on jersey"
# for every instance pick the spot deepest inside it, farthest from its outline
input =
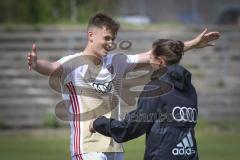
(105, 87)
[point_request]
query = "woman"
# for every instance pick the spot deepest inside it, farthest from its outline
(169, 119)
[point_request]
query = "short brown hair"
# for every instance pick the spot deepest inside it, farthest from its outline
(170, 49)
(102, 20)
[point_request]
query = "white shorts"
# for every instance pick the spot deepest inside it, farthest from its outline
(100, 156)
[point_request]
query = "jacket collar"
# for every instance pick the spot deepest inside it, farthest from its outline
(175, 74)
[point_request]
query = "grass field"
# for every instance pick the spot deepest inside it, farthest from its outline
(213, 145)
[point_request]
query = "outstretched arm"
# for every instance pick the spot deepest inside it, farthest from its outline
(42, 66)
(204, 39)
(120, 131)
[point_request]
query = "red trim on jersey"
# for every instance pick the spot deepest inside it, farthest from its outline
(76, 120)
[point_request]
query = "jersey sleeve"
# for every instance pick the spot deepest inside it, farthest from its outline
(66, 66)
(124, 63)
(132, 61)
(65, 59)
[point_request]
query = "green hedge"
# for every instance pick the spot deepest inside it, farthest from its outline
(52, 11)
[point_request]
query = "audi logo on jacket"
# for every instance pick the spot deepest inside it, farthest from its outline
(168, 119)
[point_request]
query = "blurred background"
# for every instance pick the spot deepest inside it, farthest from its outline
(29, 127)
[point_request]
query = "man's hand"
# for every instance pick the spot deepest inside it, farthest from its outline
(43, 67)
(32, 58)
(91, 129)
(202, 40)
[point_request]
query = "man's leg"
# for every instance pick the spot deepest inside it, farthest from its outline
(114, 155)
(90, 156)
(100, 156)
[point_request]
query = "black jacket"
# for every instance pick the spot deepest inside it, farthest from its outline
(168, 120)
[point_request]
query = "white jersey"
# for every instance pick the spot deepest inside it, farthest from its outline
(91, 91)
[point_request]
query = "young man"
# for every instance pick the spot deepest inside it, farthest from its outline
(92, 84)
